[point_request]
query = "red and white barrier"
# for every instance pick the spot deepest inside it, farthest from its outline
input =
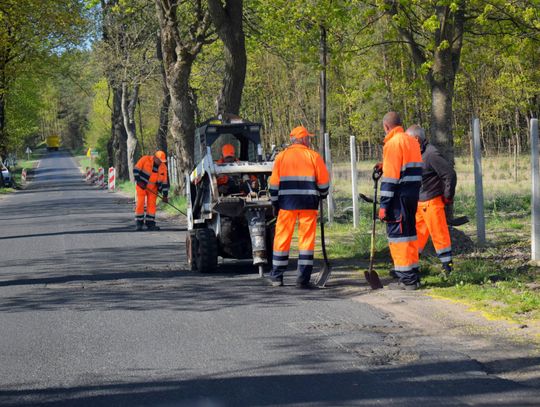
(92, 175)
(23, 175)
(112, 181)
(101, 178)
(88, 173)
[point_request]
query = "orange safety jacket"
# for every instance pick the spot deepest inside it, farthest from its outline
(299, 179)
(402, 167)
(152, 176)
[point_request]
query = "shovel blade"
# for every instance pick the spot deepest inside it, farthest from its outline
(324, 274)
(461, 220)
(373, 279)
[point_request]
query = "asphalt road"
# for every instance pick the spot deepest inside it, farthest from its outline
(94, 314)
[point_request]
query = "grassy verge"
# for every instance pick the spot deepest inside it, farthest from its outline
(17, 170)
(498, 279)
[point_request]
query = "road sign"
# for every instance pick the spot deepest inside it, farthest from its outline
(89, 153)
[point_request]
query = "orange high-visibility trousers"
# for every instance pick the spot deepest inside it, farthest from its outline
(307, 227)
(431, 220)
(148, 198)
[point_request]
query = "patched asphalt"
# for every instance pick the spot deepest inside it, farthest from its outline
(95, 314)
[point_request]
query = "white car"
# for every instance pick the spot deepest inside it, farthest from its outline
(7, 177)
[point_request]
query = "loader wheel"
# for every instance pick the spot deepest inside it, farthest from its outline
(206, 250)
(191, 246)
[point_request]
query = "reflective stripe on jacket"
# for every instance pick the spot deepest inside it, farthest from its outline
(299, 178)
(155, 177)
(402, 167)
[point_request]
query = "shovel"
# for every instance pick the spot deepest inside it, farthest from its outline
(371, 275)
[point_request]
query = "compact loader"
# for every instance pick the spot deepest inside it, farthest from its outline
(235, 220)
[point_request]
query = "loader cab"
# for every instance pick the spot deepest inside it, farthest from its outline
(215, 133)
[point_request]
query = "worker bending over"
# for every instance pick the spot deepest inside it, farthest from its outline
(437, 191)
(400, 186)
(299, 179)
(151, 177)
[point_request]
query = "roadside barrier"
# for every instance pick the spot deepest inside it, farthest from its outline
(101, 178)
(23, 176)
(88, 173)
(112, 182)
(92, 175)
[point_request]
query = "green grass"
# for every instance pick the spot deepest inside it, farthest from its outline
(496, 279)
(177, 200)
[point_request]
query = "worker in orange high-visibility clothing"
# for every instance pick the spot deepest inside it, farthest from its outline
(151, 176)
(226, 184)
(400, 186)
(438, 189)
(228, 155)
(299, 180)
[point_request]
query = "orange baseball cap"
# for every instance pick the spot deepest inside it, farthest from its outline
(300, 132)
(161, 156)
(227, 150)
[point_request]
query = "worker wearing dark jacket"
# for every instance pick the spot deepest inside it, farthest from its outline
(400, 186)
(437, 191)
(299, 179)
(151, 176)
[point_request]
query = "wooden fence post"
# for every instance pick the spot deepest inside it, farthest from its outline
(478, 186)
(354, 176)
(535, 196)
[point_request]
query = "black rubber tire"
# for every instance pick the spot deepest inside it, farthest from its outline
(206, 250)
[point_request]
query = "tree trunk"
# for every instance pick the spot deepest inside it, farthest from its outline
(3, 136)
(183, 120)
(227, 19)
(323, 53)
(441, 118)
(161, 136)
(179, 53)
(129, 104)
(119, 136)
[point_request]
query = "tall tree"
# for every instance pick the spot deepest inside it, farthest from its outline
(165, 104)
(185, 29)
(435, 32)
(227, 17)
(29, 29)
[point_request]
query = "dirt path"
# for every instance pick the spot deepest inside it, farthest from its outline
(503, 349)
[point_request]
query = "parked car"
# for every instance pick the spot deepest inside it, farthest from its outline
(8, 181)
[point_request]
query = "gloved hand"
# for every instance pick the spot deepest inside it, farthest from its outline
(447, 201)
(141, 185)
(382, 214)
(377, 167)
(165, 199)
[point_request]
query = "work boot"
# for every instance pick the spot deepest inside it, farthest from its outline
(400, 286)
(139, 225)
(151, 225)
(277, 283)
(393, 274)
(305, 286)
(447, 268)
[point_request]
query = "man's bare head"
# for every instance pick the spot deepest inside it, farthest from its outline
(417, 132)
(391, 120)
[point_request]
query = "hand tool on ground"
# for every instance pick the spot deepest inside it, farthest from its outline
(324, 274)
(371, 275)
(168, 203)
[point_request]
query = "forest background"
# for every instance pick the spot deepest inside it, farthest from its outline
(129, 76)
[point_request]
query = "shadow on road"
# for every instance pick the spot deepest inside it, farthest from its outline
(442, 384)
